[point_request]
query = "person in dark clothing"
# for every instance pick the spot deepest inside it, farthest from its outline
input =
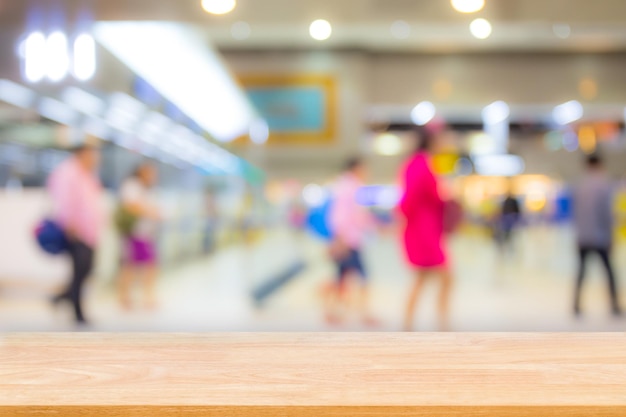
(594, 220)
(82, 260)
(510, 216)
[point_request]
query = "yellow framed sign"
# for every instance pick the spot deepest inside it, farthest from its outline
(299, 109)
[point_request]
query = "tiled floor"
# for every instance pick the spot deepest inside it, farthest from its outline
(528, 291)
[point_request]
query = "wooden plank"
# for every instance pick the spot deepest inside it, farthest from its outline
(234, 411)
(313, 374)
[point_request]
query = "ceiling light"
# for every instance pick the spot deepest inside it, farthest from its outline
(84, 57)
(567, 113)
(124, 112)
(153, 126)
(219, 6)
(562, 30)
(400, 29)
(55, 110)
(83, 101)
(496, 113)
(240, 31)
(57, 57)
(468, 6)
(35, 57)
(97, 127)
(423, 113)
(184, 70)
(16, 94)
(481, 28)
(321, 30)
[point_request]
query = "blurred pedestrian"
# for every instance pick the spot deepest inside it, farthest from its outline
(507, 221)
(139, 234)
(423, 208)
(77, 208)
(594, 223)
(349, 222)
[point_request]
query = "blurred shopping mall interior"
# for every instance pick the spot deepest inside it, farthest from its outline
(249, 110)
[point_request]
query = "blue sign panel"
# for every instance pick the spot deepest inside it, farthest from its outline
(291, 109)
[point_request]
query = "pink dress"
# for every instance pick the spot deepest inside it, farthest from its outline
(423, 208)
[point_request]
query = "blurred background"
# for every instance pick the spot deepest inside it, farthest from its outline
(248, 110)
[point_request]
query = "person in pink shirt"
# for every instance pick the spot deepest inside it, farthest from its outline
(77, 197)
(349, 222)
(422, 207)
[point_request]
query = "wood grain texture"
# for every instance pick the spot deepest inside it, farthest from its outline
(315, 374)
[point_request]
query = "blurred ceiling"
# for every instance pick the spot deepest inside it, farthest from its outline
(518, 25)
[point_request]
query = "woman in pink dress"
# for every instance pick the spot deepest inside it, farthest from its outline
(422, 208)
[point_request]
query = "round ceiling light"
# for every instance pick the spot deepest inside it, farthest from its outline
(241, 31)
(321, 30)
(400, 29)
(423, 113)
(219, 6)
(481, 28)
(496, 113)
(562, 30)
(468, 6)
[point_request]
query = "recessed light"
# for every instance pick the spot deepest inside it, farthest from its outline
(468, 6)
(562, 30)
(219, 6)
(481, 28)
(400, 29)
(240, 31)
(321, 30)
(423, 113)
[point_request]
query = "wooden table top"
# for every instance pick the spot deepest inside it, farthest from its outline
(314, 374)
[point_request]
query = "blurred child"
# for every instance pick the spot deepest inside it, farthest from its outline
(349, 223)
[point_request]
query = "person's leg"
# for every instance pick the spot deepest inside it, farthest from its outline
(416, 291)
(364, 288)
(445, 292)
(150, 272)
(582, 256)
(65, 295)
(82, 265)
(124, 283)
(128, 273)
(335, 292)
(510, 239)
(606, 260)
(145, 258)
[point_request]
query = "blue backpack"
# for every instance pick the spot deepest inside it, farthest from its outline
(51, 237)
(318, 221)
